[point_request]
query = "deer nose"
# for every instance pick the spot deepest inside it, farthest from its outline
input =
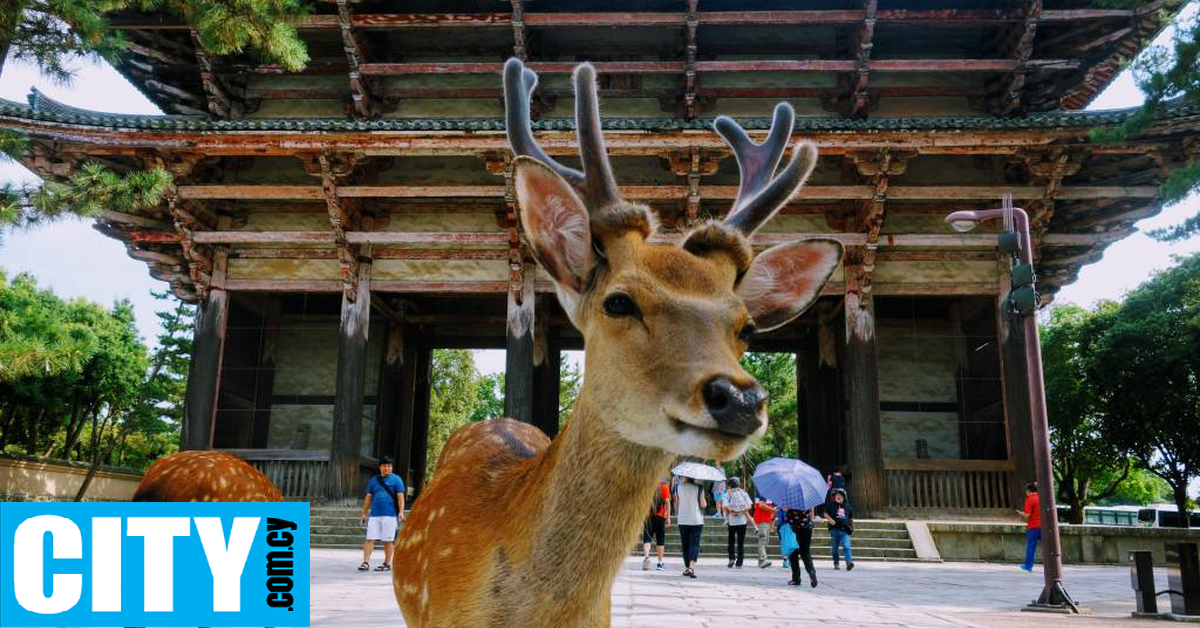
(734, 408)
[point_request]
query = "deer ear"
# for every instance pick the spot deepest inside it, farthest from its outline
(558, 225)
(784, 280)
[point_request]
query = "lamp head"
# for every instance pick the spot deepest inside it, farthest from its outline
(962, 221)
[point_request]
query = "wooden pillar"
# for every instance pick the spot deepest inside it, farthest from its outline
(405, 397)
(823, 393)
(869, 492)
(419, 446)
(342, 481)
(547, 374)
(1014, 377)
(204, 372)
(518, 363)
(387, 415)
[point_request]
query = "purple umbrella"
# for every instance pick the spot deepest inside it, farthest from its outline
(790, 483)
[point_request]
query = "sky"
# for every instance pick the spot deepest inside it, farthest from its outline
(76, 261)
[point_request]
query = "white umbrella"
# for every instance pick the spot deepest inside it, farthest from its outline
(698, 471)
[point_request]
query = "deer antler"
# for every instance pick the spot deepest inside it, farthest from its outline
(761, 193)
(596, 183)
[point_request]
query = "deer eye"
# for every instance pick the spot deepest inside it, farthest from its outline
(748, 331)
(620, 305)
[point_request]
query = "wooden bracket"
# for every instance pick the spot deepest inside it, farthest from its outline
(856, 99)
(356, 54)
(220, 103)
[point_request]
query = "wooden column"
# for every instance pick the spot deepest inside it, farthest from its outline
(1014, 377)
(869, 493)
(387, 415)
(823, 393)
(204, 373)
(405, 396)
(546, 374)
(342, 481)
(419, 446)
(518, 364)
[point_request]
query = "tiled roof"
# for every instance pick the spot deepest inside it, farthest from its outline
(45, 109)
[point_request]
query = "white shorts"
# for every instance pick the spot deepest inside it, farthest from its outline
(381, 529)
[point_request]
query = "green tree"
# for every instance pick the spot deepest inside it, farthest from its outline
(50, 33)
(452, 399)
(570, 379)
(87, 193)
(1139, 489)
(1088, 466)
(776, 373)
(156, 408)
(489, 397)
(1167, 75)
(1147, 366)
(94, 392)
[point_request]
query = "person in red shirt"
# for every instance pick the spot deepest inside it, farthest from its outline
(764, 514)
(656, 526)
(1033, 527)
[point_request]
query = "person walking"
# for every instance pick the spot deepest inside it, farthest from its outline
(656, 526)
(835, 481)
(690, 506)
(384, 502)
(1033, 525)
(764, 514)
(801, 524)
(720, 497)
(840, 517)
(737, 510)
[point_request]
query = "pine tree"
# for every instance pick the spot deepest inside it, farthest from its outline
(1167, 75)
(50, 33)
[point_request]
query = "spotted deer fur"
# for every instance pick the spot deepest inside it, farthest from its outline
(205, 476)
(516, 530)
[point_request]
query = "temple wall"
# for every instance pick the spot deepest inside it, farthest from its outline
(915, 371)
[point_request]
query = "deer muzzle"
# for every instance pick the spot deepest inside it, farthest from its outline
(736, 409)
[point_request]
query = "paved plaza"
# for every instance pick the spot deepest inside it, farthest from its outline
(912, 595)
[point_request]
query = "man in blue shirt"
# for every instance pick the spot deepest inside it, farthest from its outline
(385, 504)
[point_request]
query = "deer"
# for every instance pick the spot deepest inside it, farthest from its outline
(205, 476)
(518, 530)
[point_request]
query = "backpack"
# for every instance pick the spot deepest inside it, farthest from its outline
(390, 491)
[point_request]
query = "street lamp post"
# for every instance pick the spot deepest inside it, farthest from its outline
(1022, 302)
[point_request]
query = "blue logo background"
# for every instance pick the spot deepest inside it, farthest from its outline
(193, 590)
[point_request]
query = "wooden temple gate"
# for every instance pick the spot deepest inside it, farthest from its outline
(339, 224)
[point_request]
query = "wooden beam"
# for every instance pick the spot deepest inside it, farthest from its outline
(220, 104)
(1012, 86)
(665, 192)
(692, 23)
(678, 67)
(933, 18)
(856, 101)
(520, 49)
(355, 57)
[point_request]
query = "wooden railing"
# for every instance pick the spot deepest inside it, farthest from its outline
(299, 473)
(949, 484)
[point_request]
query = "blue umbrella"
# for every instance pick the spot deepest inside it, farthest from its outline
(790, 483)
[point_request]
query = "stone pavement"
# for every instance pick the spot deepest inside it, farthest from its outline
(875, 594)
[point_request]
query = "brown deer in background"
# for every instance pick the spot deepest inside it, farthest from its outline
(516, 530)
(205, 476)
